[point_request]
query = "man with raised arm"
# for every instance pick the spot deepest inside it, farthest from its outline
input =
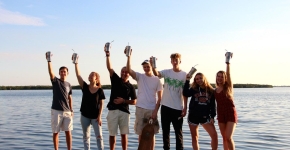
(147, 105)
(173, 103)
(122, 95)
(61, 109)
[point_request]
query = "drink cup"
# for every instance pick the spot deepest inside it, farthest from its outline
(154, 62)
(75, 58)
(107, 46)
(128, 50)
(192, 71)
(48, 56)
(228, 57)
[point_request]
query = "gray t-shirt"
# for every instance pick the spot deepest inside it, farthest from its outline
(61, 91)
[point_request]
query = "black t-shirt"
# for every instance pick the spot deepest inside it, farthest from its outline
(61, 91)
(90, 102)
(120, 89)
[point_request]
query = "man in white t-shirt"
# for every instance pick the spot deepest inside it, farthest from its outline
(173, 109)
(147, 105)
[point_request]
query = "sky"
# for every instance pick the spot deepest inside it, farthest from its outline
(257, 32)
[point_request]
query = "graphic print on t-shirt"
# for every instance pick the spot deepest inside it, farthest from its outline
(174, 84)
(202, 98)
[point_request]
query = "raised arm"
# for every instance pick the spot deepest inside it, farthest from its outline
(108, 62)
(131, 72)
(80, 79)
(51, 74)
(229, 80)
(155, 72)
(186, 91)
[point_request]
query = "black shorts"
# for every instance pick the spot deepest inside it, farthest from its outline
(196, 120)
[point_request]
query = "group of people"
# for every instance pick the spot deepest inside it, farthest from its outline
(172, 97)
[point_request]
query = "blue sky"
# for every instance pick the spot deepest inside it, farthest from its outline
(257, 32)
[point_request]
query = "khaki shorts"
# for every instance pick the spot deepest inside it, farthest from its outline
(142, 117)
(117, 118)
(61, 120)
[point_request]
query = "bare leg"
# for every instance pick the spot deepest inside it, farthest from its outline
(212, 133)
(112, 142)
(68, 140)
(55, 140)
(222, 127)
(194, 136)
(230, 128)
(124, 141)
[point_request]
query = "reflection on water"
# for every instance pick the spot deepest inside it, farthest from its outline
(263, 123)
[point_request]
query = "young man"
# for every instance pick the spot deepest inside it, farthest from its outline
(122, 95)
(61, 109)
(173, 108)
(147, 105)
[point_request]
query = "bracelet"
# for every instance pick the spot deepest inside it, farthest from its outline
(107, 55)
(48, 61)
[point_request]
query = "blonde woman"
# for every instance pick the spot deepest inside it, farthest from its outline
(201, 109)
(226, 111)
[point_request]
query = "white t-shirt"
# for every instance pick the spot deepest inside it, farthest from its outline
(173, 86)
(147, 90)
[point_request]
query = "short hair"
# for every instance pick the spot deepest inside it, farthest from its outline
(63, 67)
(175, 56)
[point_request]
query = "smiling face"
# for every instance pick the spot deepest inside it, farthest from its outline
(63, 73)
(147, 68)
(220, 78)
(124, 74)
(199, 80)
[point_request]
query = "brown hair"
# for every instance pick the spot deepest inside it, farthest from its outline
(207, 85)
(227, 88)
(175, 56)
(63, 67)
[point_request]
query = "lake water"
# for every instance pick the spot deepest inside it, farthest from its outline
(263, 122)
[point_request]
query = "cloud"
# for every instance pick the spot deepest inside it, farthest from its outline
(16, 18)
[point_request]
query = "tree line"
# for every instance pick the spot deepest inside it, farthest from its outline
(47, 87)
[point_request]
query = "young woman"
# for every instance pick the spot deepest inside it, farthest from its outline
(226, 111)
(201, 109)
(91, 108)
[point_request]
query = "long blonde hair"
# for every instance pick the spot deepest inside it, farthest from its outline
(207, 85)
(227, 88)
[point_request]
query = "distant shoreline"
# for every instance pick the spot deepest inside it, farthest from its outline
(48, 87)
